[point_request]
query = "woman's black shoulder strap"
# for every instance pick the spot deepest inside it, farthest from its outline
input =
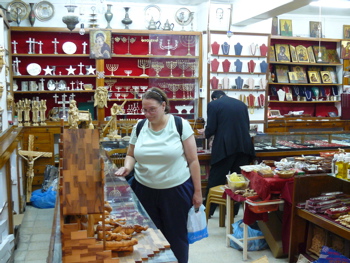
(178, 123)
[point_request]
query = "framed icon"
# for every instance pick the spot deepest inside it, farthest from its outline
(300, 73)
(293, 54)
(326, 77)
(274, 28)
(275, 113)
(282, 52)
(302, 53)
(315, 29)
(320, 50)
(272, 56)
(293, 77)
(311, 55)
(314, 77)
(286, 28)
(282, 73)
(346, 31)
(100, 44)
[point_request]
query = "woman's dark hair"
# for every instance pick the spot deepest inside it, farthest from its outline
(158, 95)
(217, 94)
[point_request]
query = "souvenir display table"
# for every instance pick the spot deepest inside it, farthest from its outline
(265, 188)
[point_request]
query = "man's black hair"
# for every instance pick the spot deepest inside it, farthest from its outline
(217, 94)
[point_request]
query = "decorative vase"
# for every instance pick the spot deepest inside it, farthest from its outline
(31, 16)
(70, 20)
(108, 15)
(126, 20)
(215, 48)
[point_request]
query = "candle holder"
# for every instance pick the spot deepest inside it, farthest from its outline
(157, 66)
(128, 72)
(183, 65)
(168, 46)
(150, 41)
(144, 64)
(174, 87)
(112, 68)
(129, 40)
(171, 65)
(110, 82)
(188, 41)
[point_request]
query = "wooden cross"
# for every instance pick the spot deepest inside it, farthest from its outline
(30, 156)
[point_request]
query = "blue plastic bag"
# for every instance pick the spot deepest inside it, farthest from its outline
(253, 245)
(46, 199)
(196, 225)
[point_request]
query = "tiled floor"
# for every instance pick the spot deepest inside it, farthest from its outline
(35, 235)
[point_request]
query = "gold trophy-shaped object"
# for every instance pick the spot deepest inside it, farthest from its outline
(183, 65)
(168, 46)
(174, 87)
(150, 41)
(171, 65)
(112, 68)
(157, 66)
(143, 63)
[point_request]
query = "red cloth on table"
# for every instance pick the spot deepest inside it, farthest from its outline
(287, 196)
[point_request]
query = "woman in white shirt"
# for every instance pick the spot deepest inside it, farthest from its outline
(166, 169)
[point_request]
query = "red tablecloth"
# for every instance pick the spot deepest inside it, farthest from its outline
(265, 187)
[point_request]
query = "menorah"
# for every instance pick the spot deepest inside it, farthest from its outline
(110, 82)
(183, 65)
(124, 40)
(189, 88)
(171, 65)
(143, 63)
(163, 85)
(157, 66)
(192, 66)
(168, 47)
(149, 40)
(112, 68)
(173, 87)
(188, 41)
(183, 88)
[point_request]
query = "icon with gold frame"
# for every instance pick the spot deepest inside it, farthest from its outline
(302, 53)
(286, 28)
(346, 31)
(282, 52)
(314, 77)
(326, 77)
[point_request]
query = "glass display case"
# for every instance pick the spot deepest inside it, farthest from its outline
(311, 141)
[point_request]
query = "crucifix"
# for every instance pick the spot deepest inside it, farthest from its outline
(14, 42)
(81, 85)
(56, 97)
(55, 42)
(40, 43)
(30, 156)
(81, 68)
(72, 83)
(30, 42)
(84, 47)
(16, 62)
(64, 102)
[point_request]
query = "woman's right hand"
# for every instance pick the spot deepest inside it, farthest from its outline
(122, 171)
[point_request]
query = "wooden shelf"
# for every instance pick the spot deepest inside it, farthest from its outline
(53, 91)
(238, 56)
(238, 73)
(294, 101)
(305, 63)
(50, 55)
(304, 84)
(53, 76)
(153, 56)
(247, 90)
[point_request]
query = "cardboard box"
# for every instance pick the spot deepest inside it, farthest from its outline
(272, 230)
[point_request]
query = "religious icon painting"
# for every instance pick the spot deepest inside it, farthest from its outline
(320, 54)
(300, 73)
(100, 44)
(332, 72)
(346, 32)
(286, 27)
(293, 54)
(326, 77)
(282, 52)
(302, 54)
(282, 73)
(272, 57)
(274, 28)
(314, 77)
(293, 78)
(332, 56)
(315, 29)
(311, 55)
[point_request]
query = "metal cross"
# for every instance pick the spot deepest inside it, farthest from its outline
(71, 97)
(55, 42)
(64, 102)
(56, 97)
(30, 42)
(16, 62)
(81, 68)
(33, 45)
(42, 83)
(84, 47)
(81, 85)
(40, 43)
(14, 42)
(72, 83)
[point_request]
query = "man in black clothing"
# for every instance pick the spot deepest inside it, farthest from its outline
(228, 122)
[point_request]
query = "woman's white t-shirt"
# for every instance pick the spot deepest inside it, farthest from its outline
(160, 158)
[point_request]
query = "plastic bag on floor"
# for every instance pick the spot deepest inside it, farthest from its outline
(41, 199)
(253, 245)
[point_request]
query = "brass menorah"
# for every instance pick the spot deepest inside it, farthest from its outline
(168, 46)
(126, 40)
(188, 41)
(174, 87)
(143, 63)
(183, 65)
(171, 65)
(150, 41)
(157, 66)
(112, 68)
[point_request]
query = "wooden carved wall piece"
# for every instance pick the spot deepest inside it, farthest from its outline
(100, 97)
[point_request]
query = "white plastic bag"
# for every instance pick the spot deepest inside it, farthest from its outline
(196, 225)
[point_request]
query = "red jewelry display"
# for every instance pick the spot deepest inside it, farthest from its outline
(251, 66)
(215, 47)
(214, 83)
(226, 65)
(214, 65)
(263, 50)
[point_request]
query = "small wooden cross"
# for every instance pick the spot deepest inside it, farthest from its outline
(30, 156)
